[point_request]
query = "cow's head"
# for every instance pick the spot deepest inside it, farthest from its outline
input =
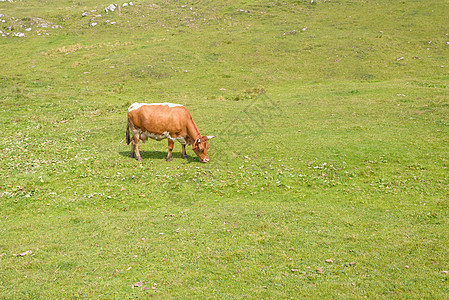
(200, 147)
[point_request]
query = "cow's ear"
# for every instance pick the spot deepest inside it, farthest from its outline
(195, 144)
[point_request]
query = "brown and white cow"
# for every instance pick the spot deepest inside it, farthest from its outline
(159, 121)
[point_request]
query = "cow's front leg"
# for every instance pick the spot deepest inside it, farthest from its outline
(135, 148)
(171, 144)
(184, 153)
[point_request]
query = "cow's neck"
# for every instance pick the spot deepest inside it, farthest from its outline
(192, 130)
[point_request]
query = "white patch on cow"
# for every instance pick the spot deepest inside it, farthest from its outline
(179, 139)
(144, 135)
(168, 104)
(138, 105)
(135, 106)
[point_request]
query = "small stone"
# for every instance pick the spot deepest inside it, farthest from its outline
(138, 284)
(110, 8)
(24, 253)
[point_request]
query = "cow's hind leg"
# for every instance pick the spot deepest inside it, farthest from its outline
(171, 144)
(184, 153)
(135, 148)
(134, 141)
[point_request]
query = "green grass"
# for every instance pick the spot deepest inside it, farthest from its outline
(332, 143)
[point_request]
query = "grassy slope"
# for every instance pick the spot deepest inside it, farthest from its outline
(344, 156)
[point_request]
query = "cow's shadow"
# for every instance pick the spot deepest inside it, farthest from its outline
(160, 155)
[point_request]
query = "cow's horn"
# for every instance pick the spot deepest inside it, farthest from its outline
(211, 136)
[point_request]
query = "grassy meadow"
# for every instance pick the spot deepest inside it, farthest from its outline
(328, 177)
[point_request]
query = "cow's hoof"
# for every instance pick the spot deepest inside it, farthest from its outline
(140, 159)
(169, 159)
(184, 156)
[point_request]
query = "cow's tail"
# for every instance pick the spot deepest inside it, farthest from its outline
(128, 138)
